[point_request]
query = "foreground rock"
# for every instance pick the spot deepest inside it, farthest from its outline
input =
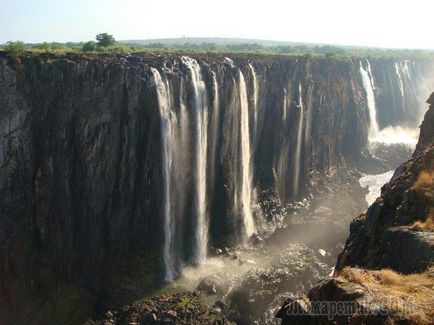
(358, 296)
(179, 308)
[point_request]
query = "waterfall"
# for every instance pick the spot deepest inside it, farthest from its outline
(368, 85)
(406, 69)
(285, 104)
(398, 73)
(255, 99)
(201, 112)
(214, 133)
(297, 156)
(168, 121)
(246, 175)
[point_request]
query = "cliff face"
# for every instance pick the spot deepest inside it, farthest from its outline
(102, 159)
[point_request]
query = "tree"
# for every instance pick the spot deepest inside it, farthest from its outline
(105, 39)
(15, 49)
(89, 46)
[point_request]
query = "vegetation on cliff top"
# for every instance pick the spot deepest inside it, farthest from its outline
(407, 296)
(107, 44)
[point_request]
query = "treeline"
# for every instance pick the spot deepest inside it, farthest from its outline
(107, 44)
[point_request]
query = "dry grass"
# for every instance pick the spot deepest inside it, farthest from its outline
(410, 296)
(427, 225)
(425, 179)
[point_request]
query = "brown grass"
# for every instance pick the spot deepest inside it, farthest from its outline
(427, 225)
(396, 291)
(425, 179)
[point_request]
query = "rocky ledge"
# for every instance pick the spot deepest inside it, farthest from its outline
(176, 308)
(384, 274)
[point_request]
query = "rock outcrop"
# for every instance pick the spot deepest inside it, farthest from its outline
(170, 309)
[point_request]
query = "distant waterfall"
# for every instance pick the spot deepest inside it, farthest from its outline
(398, 73)
(255, 99)
(285, 105)
(168, 121)
(281, 165)
(214, 121)
(297, 156)
(201, 112)
(246, 175)
(368, 85)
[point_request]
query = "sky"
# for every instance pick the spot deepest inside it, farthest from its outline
(378, 23)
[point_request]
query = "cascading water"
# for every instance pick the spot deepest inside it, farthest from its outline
(368, 85)
(246, 175)
(255, 99)
(280, 167)
(297, 156)
(201, 112)
(285, 104)
(214, 133)
(168, 120)
(398, 73)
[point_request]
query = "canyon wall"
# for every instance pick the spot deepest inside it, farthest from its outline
(108, 158)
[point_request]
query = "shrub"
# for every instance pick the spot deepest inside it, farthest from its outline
(43, 47)
(15, 49)
(89, 47)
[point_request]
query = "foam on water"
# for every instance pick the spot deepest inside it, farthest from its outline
(374, 184)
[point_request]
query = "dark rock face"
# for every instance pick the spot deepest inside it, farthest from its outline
(406, 250)
(81, 177)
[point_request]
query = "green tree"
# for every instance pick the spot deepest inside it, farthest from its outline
(89, 46)
(105, 39)
(15, 49)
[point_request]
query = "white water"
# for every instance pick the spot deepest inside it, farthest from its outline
(213, 132)
(297, 156)
(368, 84)
(398, 73)
(285, 104)
(398, 134)
(374, 183)
(168, 119)
(246, 174)
(255, 98)
(201, 110)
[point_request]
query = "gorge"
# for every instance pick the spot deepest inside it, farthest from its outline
(157, 162)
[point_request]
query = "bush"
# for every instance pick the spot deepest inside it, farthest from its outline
(89, 47)
(15, 49)
(43, 47)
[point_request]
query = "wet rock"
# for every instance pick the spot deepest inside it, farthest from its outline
(213, 284)
(171, 314)
(251, 300)
(256, 239)
(178, 308)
